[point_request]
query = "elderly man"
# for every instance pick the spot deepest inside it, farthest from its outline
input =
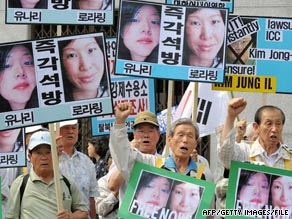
(146, 136)
(38, 197)
(77, 165)
(266, 150)
(183, 139)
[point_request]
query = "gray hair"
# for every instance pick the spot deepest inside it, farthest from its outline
(184, 121)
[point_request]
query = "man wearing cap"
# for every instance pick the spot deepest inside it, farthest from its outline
(146, 136)
(39, 196)
(77, 165)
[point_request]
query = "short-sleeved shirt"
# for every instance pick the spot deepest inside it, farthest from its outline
(81, 169)
(39, 198)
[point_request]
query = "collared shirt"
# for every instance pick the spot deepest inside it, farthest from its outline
(81, 169)
(272, 158)
(39, 198)
(169, 163)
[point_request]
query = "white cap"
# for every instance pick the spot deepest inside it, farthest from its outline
(68, 122)
(35, 128)
(38, 138)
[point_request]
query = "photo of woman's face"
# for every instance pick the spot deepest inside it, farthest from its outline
(205, 31)
(282, 192)
(185, 198)
(141, 34)
(155, 193)
(18, 80)
(83, 60)
(8, 139)
(256, 190)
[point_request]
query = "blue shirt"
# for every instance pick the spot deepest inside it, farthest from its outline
(170, 164)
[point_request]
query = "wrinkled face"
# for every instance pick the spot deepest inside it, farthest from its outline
(41, 159)
(256, 190)
(239, 46)
(84, 63)
(8, 139)
(147, 135)
(69, 134)
(205, 35)
(183, 142)
(282, 192)
(141, 34)
(18, 80)
(185, 198)
(155, 193)
(271, 127)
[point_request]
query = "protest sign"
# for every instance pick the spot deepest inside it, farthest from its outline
(169, 46)
(201, 3)
(256, 191)
(54, 79)
(12, 148)
(138, 91)
(60, 12)
(141, 201)
(259, 55)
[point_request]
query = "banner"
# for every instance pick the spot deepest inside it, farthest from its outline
(138, 91)
(53, 79)
(209, 3)
(171, 42)
(58, 12)
(258, 191)
(12, 148)
(211, 109)
(259, 55)
(156, 193)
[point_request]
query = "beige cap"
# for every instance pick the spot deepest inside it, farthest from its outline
(146, 117)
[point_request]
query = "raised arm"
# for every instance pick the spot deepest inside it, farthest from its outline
(234, 108)
(228, 149)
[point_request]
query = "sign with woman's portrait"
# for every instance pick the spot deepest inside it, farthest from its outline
(78, 12)
(158, 193)
(171, 41)
(53, 79)
(12, 148)
(259, 191)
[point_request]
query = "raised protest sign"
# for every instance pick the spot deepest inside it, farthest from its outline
(12, 148)
(201, 3)
(138, 91)
(156, 193)
(54, 79)
(258, 191)
(171, 42)
(60, 12)
(259, 55)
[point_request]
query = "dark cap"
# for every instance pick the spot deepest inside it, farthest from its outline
(146, 117)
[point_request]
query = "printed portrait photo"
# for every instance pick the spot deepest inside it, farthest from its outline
(139, 32)
(18, 86)
(84, 69)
